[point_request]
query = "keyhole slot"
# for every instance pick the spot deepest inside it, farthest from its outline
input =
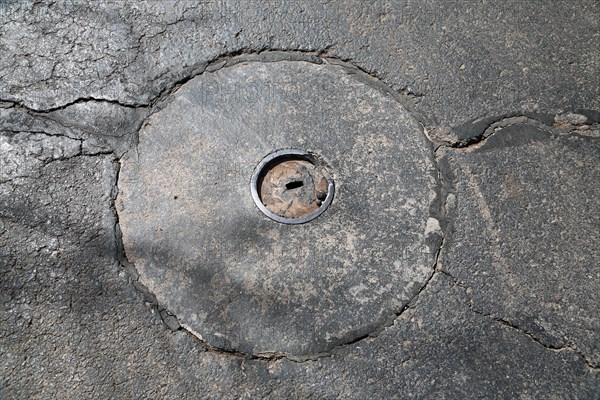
(294, 185)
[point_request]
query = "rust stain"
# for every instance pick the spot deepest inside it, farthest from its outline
(293, 188)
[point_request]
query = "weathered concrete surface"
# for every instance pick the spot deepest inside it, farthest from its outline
(243, 282)
(76, 324)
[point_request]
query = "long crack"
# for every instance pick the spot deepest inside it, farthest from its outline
(470, 305)
(403, 97)
(591, 129)
(230, 59)
(475, 142)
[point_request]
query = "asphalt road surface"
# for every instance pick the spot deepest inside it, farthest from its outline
(458, 258)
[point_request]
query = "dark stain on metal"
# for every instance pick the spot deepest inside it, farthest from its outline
(292, 186)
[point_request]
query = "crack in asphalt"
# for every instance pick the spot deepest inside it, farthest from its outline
(474, 143)
(171, 320)
(64, 106)
(81, 152)
(404, 97)
(584, 129)
(470, 305)
(228, 60)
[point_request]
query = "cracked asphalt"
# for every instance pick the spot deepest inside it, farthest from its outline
(501, 99)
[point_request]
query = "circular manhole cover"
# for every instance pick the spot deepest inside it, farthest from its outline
(209, 206)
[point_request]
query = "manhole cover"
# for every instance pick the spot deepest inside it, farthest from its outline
(210, 201)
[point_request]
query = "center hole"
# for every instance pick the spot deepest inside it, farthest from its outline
(294, 185)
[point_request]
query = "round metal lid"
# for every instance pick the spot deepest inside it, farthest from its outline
(245, 277)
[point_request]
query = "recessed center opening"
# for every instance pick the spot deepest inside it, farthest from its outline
(292, 186)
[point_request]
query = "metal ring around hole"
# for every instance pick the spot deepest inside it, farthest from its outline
(279, 156)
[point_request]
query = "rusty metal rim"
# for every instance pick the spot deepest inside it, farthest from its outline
(282, 155)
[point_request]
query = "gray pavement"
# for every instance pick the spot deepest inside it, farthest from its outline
(458, 259)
